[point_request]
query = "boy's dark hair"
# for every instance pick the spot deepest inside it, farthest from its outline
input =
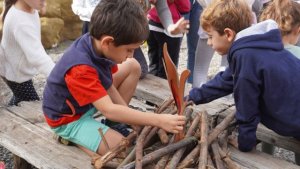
(124, 20)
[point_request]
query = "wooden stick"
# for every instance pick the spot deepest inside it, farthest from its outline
(161, 164)
(223, 138)
(164, 105)
(217, 157)
(203, 141)
(177, 156)
(139, 147)
(104, 139)
(226, 158)
(99, 163)
(220, 127)
(190, 158)
(163, 136)
(210, 164)
(153, 131)
(163, 161)
(163, 151)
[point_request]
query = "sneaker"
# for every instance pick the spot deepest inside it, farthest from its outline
(62, 140)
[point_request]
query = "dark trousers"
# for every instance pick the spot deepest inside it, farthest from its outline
(155, 42)
(85, 27)
(21, 92)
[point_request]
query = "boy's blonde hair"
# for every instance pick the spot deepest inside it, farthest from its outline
(221, 14)
(285, 12)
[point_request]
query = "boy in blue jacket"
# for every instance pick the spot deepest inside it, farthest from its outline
(262, 75)
(98, 73)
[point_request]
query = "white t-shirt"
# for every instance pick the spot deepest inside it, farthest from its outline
(84, 8)
(24, 55)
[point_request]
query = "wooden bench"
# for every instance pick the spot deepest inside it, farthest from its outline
(24, 132)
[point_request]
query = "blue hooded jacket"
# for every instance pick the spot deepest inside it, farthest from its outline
(265, 80)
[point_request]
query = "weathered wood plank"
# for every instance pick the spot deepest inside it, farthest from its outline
(156, 90)
(31, 111)
(269, 136)
(33, 144)
(258, 160)
(266, 135)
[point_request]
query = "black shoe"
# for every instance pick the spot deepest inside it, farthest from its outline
(119, 127)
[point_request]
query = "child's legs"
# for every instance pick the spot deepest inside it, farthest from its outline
(192, 37)
(173, 45)
(139, 56)
(85, 27)
(22, 92)
(85, 133)
(126, 78)
(203, 56)
(113, 139)
(224, 62)
(297, 158)
(267, 148)
(153, 53)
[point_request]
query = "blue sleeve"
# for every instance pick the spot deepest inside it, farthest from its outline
(221, 85)
(247, 93)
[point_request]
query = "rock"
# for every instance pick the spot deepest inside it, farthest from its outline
(71, 29)
(51, 31)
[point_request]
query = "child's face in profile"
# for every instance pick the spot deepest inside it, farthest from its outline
(220, 43)
(36, 4)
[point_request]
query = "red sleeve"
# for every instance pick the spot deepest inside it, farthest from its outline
(84, 84)
(114, 69)
(183, 6)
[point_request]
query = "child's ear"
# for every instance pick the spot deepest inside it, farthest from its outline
(298, 31)
(230, 34)
(106, 41)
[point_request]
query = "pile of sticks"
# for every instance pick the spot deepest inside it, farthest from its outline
(204, 145)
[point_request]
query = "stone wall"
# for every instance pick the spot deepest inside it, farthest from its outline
(58, 23)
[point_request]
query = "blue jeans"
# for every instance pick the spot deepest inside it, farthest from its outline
(192, 36)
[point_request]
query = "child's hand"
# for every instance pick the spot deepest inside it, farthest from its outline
(181, 26)
(171, 123)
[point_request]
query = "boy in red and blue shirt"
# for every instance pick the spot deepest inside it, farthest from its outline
(87, 79)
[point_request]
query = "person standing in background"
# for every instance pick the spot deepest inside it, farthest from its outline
(23, 53)
(159, 35)
(85, 8)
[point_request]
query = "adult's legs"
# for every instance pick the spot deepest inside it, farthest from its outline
(192, 36)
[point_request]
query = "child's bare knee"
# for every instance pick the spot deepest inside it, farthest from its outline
(135, 67)
(114, 138)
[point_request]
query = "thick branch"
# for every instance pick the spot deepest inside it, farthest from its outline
(163, 151)
(220, 127)
(203, 141)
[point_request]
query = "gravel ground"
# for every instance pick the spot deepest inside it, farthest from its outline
(55, 53)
